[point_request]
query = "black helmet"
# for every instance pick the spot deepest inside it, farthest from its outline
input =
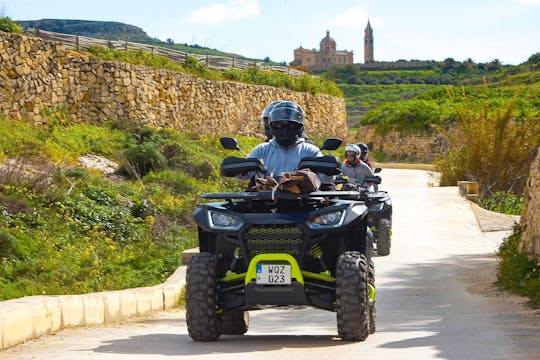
(286, 122)
(364, 149)
(265, 118)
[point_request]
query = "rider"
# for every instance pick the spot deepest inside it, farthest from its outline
(265, 120)
(364, 153)
(286, 149)
(353, 167)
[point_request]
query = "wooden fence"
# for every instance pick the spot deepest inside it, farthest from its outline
(214, 62)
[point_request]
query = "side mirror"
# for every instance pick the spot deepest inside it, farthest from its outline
(331, 144)
(229, 143)
(377, 170)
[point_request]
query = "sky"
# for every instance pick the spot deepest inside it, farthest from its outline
(483, 30)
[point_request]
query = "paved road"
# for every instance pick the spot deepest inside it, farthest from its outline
(434, 301)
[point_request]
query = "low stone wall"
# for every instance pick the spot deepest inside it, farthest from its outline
(36, 74)
(421, 146)
(530, 220)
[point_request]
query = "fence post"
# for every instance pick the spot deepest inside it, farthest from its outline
(233, 59)
(152, 50)
(126, 45)
(109, 44)
(37, 31)
(206, 60)
(77, 42)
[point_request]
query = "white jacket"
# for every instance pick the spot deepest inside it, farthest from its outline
(279, 159)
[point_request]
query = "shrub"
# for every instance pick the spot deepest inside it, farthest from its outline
(518, 272)
(503, 202)
(491, 146)
(8, 25)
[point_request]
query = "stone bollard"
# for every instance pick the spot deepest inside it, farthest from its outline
(469, 190)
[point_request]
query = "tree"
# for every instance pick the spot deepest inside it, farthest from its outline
(534, 59)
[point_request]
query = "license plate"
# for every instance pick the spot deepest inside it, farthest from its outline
(273, 274)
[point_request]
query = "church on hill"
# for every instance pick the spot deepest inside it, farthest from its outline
(328, 56)
(325, 56)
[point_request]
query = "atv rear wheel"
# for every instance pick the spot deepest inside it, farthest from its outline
(201, 317)
(234, 322)
(383, 237)
(352, 296)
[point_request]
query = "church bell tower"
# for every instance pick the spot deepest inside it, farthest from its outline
(368, 44)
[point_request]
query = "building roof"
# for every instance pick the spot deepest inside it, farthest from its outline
(327, 39)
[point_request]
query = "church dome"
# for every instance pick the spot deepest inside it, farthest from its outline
(327, 40)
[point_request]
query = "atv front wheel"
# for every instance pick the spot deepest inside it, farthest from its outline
(383, 237)
(234, 322)
(201, 317)
(372, 310)
(352, 296)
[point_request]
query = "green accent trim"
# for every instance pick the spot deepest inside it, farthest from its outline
(251, 273)
(371, 293)
(231, 276)
(324, 276)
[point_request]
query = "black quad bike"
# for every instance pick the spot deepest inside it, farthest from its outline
(379, 206)
(277, 248)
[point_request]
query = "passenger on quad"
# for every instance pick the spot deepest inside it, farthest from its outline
(364, 149)
(286, 149)
(353, 167)
(265, 120)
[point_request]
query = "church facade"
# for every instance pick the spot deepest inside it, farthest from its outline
(327, 55)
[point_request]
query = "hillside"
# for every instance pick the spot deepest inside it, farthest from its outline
(113, 31)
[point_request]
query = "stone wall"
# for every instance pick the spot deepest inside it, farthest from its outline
(421, 146)
(530, 220)
(36, 74)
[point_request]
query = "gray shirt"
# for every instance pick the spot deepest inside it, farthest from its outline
(279, 159)
(356, 173)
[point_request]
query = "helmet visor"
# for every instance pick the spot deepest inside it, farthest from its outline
(286, 114)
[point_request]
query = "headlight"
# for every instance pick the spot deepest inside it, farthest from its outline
(221, 220)
(333, 219)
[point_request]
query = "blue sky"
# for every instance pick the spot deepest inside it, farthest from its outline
(484, 30)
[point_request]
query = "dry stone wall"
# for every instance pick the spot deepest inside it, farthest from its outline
(421, 146)
(530, 220)
(37, 74)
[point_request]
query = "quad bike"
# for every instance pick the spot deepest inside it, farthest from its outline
(379, 206)
(277, 248)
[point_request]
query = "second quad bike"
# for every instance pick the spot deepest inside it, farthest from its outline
(379, 206)
(277, 248)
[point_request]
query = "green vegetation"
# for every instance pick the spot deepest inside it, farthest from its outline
(306, 83)
(518, 272)
(494, 145)
(503, 202)
(68, 229)
(8, 25)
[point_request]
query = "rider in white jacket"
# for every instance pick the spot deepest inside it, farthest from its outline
(288, 147)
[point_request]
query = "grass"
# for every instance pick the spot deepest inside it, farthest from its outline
(65, 229)
(306, 83)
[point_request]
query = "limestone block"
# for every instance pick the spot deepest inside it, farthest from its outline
(171, 294)
(47, 315)
(144, 301)
(112, 304)
(128, 303)
(72, 307)
(16, 322)
(94, 312)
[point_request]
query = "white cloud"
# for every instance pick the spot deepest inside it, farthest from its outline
(232, 10)
(352, 18)
(528, 2)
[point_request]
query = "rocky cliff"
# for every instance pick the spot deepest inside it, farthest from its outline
(530, 220)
